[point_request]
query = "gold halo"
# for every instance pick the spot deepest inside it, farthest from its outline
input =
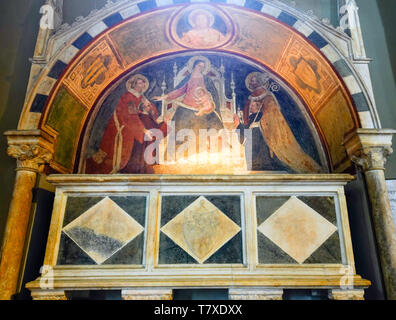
(190, 64)
(196, 91)
(263, 77)
(140, 76)
(194, 13)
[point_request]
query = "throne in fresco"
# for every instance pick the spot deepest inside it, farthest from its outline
(228, 106)
(207, 162)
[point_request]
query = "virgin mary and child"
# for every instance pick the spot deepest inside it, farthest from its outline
(196, 100)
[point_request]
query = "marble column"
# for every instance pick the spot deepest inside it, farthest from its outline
(32, 152)
(369, 149)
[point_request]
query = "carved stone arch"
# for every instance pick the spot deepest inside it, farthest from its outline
(324, 48)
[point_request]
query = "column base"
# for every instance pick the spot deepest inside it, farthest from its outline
(339, 294)
(255, 294)
(147, 294)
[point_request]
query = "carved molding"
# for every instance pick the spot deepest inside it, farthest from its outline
(350, 22)
(373, 158)
(339, 294)
(52, 14)
(49, 297)
(54, 295)
(147, 294)
(345, 8)
(255, 294)
(30, 157)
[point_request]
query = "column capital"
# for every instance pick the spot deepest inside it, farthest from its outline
(31, 148)
(370, 148)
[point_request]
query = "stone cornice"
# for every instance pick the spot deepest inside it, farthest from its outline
(153, 179)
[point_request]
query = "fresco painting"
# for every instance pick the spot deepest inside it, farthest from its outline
(336, 121)
(203, 91)
(259, 37)
(90, 76)
(123, 145)
(65, 118)
(201, 27)
(143, 38)
(305, 71)
(196, 59)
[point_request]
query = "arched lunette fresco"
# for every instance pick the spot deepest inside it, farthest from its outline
(261, 38)
(230, 93)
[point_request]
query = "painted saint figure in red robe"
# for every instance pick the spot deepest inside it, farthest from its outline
(127, 134)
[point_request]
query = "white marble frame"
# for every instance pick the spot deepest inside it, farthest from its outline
(195, 191)
(90, 193)
(347, 259)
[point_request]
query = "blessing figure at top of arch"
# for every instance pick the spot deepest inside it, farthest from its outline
(202, 34)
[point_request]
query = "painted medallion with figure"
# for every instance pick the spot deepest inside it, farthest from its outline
(201, 27)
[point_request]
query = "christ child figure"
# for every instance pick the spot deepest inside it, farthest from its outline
(204, 101)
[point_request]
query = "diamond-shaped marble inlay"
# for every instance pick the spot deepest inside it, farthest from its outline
(201, 229)
(297, 229)
(103, 230)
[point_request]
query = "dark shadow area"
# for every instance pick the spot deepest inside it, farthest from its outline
(305, 294)
(200, 294)
(94, 295)
(38, 240)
